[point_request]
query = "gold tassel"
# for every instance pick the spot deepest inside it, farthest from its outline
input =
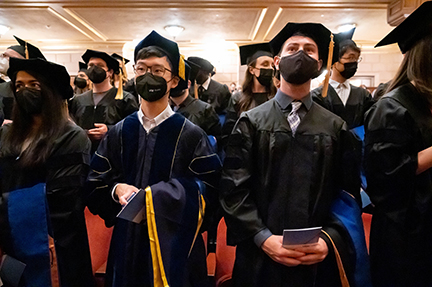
(195, 89)
(329, 64)
(119, 95)
(182, 68)
(26, 51)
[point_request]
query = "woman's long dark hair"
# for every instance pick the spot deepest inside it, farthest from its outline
(246, 94)
(416, 67)
(54, 121)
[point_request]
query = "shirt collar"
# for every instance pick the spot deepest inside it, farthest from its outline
(206, 84)
(165, 114)
(285, 100)
(335, 84)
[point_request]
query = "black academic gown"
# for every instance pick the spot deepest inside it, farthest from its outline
(64, 173)
(108, 111)
(217, 95)
(7, 97)
(169, 156)
(273, 180)
(201, 114)
(359, 101)
(397, 127)
(233, 111)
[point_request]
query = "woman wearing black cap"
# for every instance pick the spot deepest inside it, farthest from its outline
(258, 86)
(398, 157)
(43, 164)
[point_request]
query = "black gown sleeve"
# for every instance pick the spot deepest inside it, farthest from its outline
(390, 160)
(241, 212)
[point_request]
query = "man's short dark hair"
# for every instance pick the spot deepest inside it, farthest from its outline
(301, 34)
(348, 45)
(152, 51)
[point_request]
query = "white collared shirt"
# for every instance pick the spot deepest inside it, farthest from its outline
(206, 84)
(342, 89)
(148, 123)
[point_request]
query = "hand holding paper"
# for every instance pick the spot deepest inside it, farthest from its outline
(134, 210)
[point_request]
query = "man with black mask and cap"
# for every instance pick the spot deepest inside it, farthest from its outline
(345, 100)
(200, 113)
(82, 82)
(209, 90)
(24, 50)
(283, 170)
(163, 160)
(97, 110)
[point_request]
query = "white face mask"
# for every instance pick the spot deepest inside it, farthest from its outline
(4, 65)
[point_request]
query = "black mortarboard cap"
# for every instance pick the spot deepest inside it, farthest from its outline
(33, 51)
(315, 31)
(249, 53)
(56, 75)
(110, 61)
(170, 48)
(412, 29)
(205, 65)
(118, 57)
(82, 66)
(340, 40)
(194, 69)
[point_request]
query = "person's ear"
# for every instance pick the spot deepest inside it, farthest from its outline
(111, 73)
(251, 70)
(174, 82)
(276, 62)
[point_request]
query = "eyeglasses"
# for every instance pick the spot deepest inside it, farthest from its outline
(352, 59)
(156, 70)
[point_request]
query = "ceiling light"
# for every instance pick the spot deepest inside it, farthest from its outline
(174, 30)
(346, 27)
(3, 29)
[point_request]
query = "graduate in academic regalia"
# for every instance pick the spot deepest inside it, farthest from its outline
(345, 100)
(99, 109)
(284, 168)
(164, 155)
(258, 86)
(24, 50)
(200, 113)
(209, 90)
(398, 161)
(121, 78)
(44, 161)
(82, 82)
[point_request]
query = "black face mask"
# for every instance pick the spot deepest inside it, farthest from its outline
(29, 100)
(80, 82)
(151, 88)
(176, 92)
(299, 68)
(266, 77)
(96, 74)
(349, 70)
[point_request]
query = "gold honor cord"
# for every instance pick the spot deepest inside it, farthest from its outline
(119, 95)
(329, 64)
(159, 276)
(342, 274)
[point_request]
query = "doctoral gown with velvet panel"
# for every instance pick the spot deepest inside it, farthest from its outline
(167, 159)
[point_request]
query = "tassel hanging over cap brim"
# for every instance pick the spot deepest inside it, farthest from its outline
(329, 64)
